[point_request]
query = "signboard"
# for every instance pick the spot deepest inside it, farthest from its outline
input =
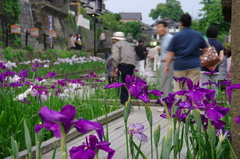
(83, 22)
(15, 29)
(50, 22)
(52, 34)
(34, 32)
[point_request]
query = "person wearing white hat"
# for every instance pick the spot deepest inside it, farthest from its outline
(123, 59)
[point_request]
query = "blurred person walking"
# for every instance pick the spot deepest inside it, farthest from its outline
(102, 39)
(186, 48)
(78, 42)
(166, 83)
(140, 57)
(123, 59)
(71, 42)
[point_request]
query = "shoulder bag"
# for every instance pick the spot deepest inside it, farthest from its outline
(210, 57)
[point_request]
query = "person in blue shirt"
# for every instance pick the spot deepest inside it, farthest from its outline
(185, 48)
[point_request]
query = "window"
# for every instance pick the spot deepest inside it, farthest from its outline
(155, 36)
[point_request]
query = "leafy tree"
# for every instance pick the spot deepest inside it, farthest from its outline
(110, 21)
(212, 15)
(134, 28)
(12, 8)
(171, 9)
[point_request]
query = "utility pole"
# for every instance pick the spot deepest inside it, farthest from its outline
(235, 41)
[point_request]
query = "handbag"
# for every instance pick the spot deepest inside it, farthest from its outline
(210, 57)
(79, 42)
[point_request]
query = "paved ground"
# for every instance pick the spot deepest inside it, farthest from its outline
(117, 136)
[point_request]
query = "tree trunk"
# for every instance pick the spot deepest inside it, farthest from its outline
(235, 104)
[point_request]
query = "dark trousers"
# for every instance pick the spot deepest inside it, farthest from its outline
(124, 70)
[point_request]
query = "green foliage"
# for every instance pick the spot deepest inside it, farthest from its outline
(1, 44)
(81, 54)
(110, 21)
(171, 9)
(117, 17)
(17, 42)
(12, 9)
(30, 48)
(133, 28)
(71, 21)
(7, 54)
(20, 55)
(212, 15)
(66, 54)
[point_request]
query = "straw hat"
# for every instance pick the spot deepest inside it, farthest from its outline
(119, 36)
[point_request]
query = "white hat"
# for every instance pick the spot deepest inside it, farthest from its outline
(119, 36)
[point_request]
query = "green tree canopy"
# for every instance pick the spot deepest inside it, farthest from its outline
(134, 28)
(110, 21)
(171, 9)
(211, 14)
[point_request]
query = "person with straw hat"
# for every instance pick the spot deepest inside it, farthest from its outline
(123, 59)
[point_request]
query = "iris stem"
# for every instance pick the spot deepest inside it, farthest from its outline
(126, 129)
(151, 142)
(63, 142)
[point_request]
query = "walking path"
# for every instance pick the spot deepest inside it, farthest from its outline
(117, 135)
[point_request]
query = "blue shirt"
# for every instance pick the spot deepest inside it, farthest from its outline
(164, 45)
(186, 45)
(218, 46)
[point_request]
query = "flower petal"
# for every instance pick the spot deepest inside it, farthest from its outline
(83, 126)
(237, 120)
(156, 92)
(49, 115)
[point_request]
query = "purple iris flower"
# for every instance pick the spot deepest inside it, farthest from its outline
(78, 81)
(9, 73)
(209, 82)
(237, 120)
(51, 74)
(180, 115)
(223, 134)
(37, 65)
(61, 82)
(28, 83)
(170, 101)
(218, 124)
(52, 119)
(2, 66)
(91, 74)
(136, 130)
(195, 93)
(211, 72)
(39, 78)
(215, 113)
(16, 84)
(25, 101)
(89, 149)
(181, 80)
(34, 70)
(23, 73)
(229, 91)
(100, 81)
(144, 95)
(39, 90)
(225, 82)
(133, 84)
(114, 85)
